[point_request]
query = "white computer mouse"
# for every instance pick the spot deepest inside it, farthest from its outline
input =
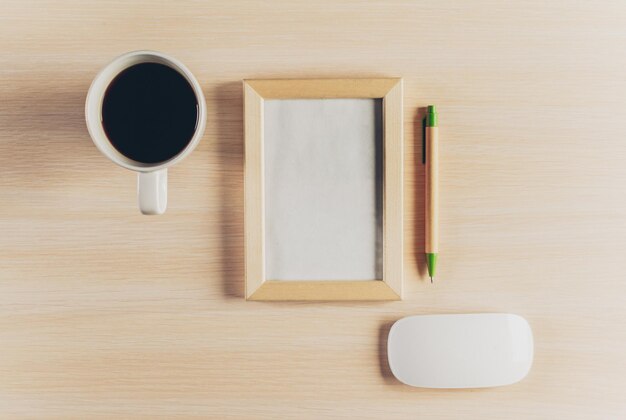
(461, 350)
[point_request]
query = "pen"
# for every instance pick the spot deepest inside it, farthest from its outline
(431, 214)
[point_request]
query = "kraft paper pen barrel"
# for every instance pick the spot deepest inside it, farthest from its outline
(431, 215)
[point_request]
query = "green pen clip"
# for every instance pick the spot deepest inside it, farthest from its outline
(430, 120)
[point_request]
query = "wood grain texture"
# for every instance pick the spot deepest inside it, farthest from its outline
(323, 88)
(105, 313)
(324, 290)
(254, 197)
(258, 287)
(393, 200)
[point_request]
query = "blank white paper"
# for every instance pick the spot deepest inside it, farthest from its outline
(323, 189)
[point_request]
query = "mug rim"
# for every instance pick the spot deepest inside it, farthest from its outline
(95, 98)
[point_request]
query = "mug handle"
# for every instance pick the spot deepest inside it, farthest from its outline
(152, 191)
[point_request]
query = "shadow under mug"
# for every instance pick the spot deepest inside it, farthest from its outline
(151, 177)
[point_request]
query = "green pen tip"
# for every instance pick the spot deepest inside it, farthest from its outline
(431, 264)
(431, 109)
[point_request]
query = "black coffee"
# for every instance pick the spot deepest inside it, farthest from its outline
(149, 112)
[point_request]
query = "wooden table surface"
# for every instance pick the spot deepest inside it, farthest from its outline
(105, 313)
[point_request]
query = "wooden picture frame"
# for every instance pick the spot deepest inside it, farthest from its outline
(387, 288)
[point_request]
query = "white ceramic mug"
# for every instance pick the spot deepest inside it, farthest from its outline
(151, 177)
